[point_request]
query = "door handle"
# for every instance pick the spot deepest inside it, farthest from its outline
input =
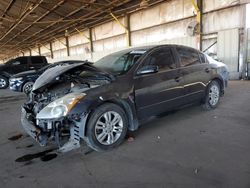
(32, 67)
(177, 79)
(207, 70)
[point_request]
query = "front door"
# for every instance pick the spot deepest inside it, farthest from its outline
(162, 90)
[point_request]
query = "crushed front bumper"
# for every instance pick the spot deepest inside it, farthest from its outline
(37, 133)
(28, 125)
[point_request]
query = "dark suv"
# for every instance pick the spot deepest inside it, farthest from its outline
(20, 64)
(100, 102)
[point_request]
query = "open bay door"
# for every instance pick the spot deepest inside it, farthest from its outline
(228, 51)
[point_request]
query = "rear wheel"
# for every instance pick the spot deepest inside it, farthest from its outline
(27, 87)
(212, 95)
(4, 82)
(106, 127)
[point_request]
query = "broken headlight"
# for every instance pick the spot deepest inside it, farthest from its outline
(60, 107)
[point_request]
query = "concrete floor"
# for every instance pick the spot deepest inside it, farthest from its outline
(189, 148)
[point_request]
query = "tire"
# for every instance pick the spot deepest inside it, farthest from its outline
(102, 135)
(212, 97)
(4, 82)
(27, 87)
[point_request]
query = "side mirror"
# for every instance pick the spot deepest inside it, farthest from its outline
(148, 69)
(16, 63)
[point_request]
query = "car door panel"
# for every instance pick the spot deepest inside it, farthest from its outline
(158, 92)
(195, 74)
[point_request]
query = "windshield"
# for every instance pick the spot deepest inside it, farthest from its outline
(120, 62)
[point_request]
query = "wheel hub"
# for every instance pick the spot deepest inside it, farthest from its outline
(214, 94)
(2, 82)
(108, 128)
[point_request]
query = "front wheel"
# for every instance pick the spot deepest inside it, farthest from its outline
(212, 97)
(107, 127)
(4, 82)
(27, 87)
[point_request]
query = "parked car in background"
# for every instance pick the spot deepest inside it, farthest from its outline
(18, 65)
(23, 82)
(100, 102)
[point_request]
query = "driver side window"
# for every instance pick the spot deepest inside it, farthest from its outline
(163, 58)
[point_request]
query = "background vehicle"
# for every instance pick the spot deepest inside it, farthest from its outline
(18, 65)
(23, 82)
(99, 103)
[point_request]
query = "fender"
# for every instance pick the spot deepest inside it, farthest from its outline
(85, 107)
(5, 74)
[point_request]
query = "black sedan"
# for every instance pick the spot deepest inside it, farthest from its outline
(23, 82)
(100, 102)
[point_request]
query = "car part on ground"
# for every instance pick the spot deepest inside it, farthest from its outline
(99, 103)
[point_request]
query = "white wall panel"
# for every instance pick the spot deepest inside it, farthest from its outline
(228, 50)
(162, 13)
(108, 30)
(35, 51)
(59, 44)
(160, 33)
(225, 19)
(110, 43)
(45, 49)
(77, 39)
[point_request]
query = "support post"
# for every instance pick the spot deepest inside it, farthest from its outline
(198, 5)
(67, 45)
(91, 40)
(127, 27)
(51, 50)
(39, 50)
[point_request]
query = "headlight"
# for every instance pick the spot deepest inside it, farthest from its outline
(16, 79)
(60, 107)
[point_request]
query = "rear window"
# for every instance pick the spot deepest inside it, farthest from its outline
(188, 57)
(22, 60)
(37, 60)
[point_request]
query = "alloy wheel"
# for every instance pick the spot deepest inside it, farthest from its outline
(214, 94)
(2, 83)
(108, 128)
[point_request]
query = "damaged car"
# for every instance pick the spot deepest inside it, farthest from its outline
(98, 103)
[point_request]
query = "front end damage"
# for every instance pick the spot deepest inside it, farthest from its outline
(49, 116)
(65, 132)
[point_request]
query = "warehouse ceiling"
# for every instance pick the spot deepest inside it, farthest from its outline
(28, 23)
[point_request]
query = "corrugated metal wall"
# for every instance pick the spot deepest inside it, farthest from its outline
(228, 50)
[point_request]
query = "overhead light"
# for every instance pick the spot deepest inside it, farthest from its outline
(144, 4)
(66, 33)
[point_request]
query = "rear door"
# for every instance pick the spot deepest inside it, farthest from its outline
(20, 64)
(195, 72)
(36, 62)
(161, 91)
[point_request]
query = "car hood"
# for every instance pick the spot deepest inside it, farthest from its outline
(50, 75)
(25, 73)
